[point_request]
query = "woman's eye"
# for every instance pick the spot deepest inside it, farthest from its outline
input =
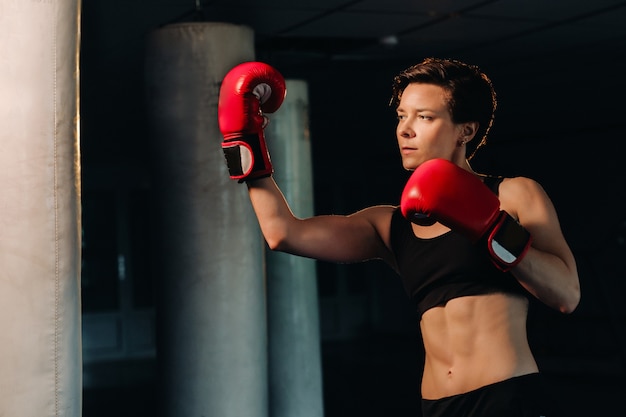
(424, 117)
(401, 117)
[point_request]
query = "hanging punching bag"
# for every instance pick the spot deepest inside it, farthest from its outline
(212, 342)
(40, 337)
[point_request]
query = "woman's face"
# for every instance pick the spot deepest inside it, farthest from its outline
(425, 129)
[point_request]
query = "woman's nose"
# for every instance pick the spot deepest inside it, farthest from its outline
(405, 131)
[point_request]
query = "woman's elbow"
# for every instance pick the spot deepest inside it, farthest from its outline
(276, 240)
(570, 303)
(274, 243)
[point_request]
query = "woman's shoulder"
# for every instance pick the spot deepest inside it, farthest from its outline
(521, 186)
(379, 217)
(519, 194)
(518, 184)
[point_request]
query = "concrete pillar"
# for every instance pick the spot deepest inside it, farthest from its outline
(295, 377)
(212, 334)
(40, 326)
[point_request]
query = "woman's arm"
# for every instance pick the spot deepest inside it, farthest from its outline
(334, 238)
(548, 271)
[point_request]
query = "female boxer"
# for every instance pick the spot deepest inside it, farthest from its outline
(471, 249)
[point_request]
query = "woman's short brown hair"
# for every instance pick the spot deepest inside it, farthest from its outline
(471, 94)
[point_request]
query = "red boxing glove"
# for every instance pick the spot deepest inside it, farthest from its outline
(456, 198)
(248, 90)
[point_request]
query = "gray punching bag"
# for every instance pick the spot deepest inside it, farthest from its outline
(295, 376)
(40, 337)
(212, 341)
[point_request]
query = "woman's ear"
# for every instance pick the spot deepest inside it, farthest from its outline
(469, 130)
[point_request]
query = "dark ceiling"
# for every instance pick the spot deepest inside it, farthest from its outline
(291, 32)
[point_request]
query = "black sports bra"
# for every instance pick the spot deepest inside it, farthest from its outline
(448, 266)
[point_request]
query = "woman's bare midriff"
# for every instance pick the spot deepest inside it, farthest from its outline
(474, 341)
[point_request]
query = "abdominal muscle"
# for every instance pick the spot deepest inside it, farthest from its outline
(474, 341)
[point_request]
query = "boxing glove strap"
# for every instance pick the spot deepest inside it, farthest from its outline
(245, 158)
(508, 242)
